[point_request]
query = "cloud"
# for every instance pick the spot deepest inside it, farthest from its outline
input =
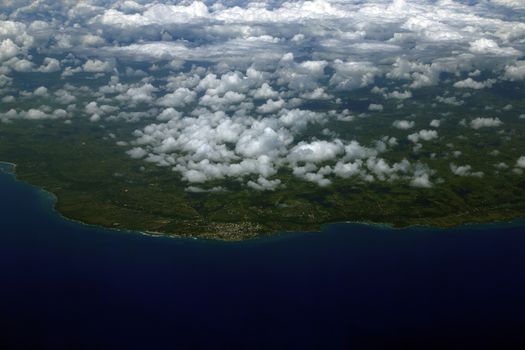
(515, 71)
(195, 189)
(179, 98)
(452, 100)
(41, 91)
(403, 124)
(137, 152)
(97, 66)
(480, 122)
(520, 163)
(351, 75)
(375, 107)
(8, 49)
(486, 46)
(422, 181)
(49, 65)
(469, 83)
(33, 114)
(20, 65)
(154, 14)
(265, 92)
(316, 151)
(464, 170)
(271, 106)
(515, 4)
(252, 90)
(138, 93)
(424, 135)
(399, 95)
(263, 184)
(435, 123)
(64, 97)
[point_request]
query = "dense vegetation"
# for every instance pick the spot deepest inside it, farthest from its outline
(97, 183)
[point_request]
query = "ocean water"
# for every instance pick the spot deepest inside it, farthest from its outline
(64, 285)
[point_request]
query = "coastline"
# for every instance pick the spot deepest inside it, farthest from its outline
(11, 170)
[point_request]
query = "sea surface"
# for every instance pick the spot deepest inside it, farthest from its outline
(64, 285)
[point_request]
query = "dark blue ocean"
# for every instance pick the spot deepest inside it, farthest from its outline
(65, 285)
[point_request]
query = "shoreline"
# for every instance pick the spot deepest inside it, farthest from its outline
(262, 237)
(12, 166)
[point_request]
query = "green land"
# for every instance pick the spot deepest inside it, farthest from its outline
(96, 182)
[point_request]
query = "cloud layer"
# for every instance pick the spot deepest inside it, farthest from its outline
(255, 91)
